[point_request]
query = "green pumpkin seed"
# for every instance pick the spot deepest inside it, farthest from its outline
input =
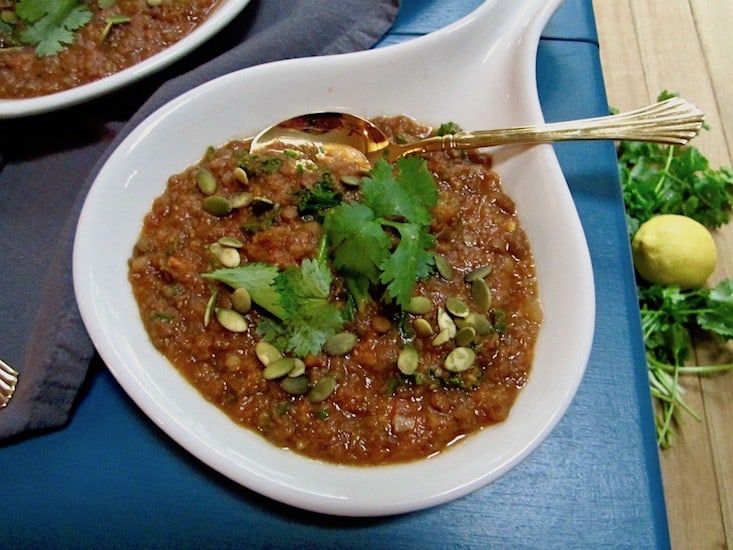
(278, 368)
(240, 175)
(481, 294)
(231, 320)
(422, 328)
(340, 343)
(267, 353)
(217, 205)
(460, 359)
(456, 307)
(241, 300)
(322, 389)
(228, 257)
(480, 323)
(240, 200)
(408, 360)
(445, 322)
(231, 242)
(210, 305)
(298, 385)
(298, 368)
(262, 201)
(442, 337)
(478, 273)
(419, 305)
(465, 336)
(351, 181)
(206, 181)
(445, 270)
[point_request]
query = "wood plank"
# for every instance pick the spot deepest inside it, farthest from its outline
(683, 46)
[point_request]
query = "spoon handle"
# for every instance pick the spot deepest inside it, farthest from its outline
(673, 121)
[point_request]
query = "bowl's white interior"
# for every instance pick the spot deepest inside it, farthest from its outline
(223, 14)
(479, 73)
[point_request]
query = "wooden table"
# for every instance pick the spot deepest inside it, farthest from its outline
(684, 46)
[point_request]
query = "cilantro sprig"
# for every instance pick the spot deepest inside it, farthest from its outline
(50, 24)
(384, 239)
(665, 179)
(303, 318)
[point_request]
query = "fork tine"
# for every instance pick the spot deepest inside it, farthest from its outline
(8, 381)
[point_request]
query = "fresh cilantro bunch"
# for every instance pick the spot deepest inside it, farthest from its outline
(49, 25)
(664, 179)
(669, 319)
(384, 240)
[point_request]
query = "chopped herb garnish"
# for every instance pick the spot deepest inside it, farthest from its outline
(315, 200)
(363, 234)
(50, 24)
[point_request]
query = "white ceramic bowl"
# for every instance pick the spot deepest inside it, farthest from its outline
(223, 14)
(478, 72)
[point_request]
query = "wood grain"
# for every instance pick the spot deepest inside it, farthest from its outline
(684, 46)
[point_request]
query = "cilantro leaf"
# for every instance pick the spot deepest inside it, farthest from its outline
(359, 242)
(51, 23)
(310, 318)
(258, 279)
(411, 257)
(409, 195)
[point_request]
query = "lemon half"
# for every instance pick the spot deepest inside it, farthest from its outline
(674, 250)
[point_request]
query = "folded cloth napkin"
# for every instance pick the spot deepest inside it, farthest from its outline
(51, 160)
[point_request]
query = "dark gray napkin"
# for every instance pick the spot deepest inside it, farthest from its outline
(50, 161)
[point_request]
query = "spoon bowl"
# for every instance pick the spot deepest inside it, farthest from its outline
(672, 121)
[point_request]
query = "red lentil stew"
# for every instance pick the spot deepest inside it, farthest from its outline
(49, 46)
(356, 315)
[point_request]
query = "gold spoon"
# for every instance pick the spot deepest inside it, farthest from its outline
(673, 121)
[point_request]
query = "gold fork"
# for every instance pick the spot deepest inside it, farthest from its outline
(8, 380)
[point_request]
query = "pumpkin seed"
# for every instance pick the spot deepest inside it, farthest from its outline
(445, 270)
(210, 305)
(445, 322)
(478, 273)
(465, 336)
(295, 386)
(322, 389)
(241, 300)
(351, 181)
(267, 353)
(206, 181)
(456, 307)
(278, 368)
(422, 328)
(480, 323)
(228, 257)
(419, 305)
(298, 368)
(460, 359)
(240, 200)
(232, 242)
(408, 360)
(240, 175)
(481, 294)
(340, 343)
(217, 205)
(442, 337)
(262, 201)
(231, 320)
